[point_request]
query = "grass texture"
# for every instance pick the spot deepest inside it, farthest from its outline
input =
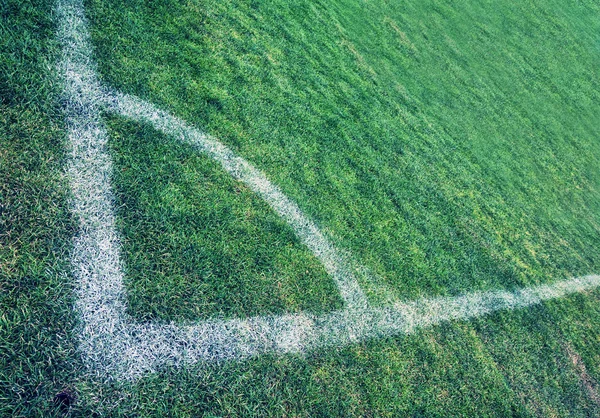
(38, 357)
(449, 146)
(199, 243)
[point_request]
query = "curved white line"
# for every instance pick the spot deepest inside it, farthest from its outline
(142, 111)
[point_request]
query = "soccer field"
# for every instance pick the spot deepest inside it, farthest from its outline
(310, 209)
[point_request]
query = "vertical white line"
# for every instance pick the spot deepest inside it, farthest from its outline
(95, 255)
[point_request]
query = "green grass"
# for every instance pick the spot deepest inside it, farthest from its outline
(199, 244)
(509, 364)
(38, 355)
(449, 146)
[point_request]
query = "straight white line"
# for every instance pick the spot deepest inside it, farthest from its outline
(95, 256)
(341, 272)
(116, 347)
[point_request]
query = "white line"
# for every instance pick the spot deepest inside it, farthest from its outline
(116, 347)
(238, 339)
(95, 257)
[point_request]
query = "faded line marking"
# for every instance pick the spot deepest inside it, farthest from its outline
(587, 381)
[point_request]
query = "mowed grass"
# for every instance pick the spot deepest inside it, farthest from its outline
(448, 146)
(38, 356)
(542, 361)
(199, 244)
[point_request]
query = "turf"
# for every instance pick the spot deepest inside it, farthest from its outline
(449, 147)
(476, 171)
(199, 244)
(509, 364)
(38, 357)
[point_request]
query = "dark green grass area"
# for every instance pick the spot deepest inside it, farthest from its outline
(450, 146)
(197, 243)
(37, 349)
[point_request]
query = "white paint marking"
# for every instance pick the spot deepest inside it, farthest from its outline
(116, 347)
(95, 256)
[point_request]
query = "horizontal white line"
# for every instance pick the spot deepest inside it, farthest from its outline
(151, 346)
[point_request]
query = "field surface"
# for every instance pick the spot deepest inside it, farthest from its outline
(442, 148)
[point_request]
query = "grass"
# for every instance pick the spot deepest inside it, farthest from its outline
(38, 357)
(199, 244)
(449, 147)
(446, 156)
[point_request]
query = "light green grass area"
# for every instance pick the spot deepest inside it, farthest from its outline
(449, 146)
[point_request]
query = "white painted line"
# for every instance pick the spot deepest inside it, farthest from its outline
(95, 255)
(116, 347)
